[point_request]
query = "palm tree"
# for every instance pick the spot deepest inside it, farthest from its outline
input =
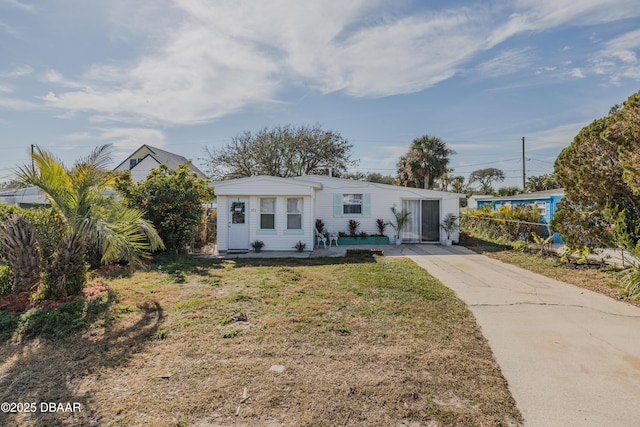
(22, 251)
(426, 160)
(541, 183)
(534, 183)
(92, 216)
(458, 184)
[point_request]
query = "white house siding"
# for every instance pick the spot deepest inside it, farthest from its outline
(143, 168)
(254, 189)
(322, 197)
(381, 198)
(139, 154)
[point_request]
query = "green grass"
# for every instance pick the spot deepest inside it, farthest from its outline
(363, 341)
(61, 322)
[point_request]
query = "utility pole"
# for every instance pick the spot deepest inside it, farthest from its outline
(524, 176)
(33, 167)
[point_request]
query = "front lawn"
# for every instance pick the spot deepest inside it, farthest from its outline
(324, 342)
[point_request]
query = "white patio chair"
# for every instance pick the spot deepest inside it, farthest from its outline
(333, 237)
(320, 238)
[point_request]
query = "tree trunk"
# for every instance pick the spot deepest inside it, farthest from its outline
(22, 251)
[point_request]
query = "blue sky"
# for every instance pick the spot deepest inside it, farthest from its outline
(185, 74)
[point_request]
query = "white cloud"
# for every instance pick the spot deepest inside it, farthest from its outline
(9, 30)
(545, 69)
(129, 139)
(545, 14)
(577, 72)
(53, 76)
(222, 58)
(20, 71)
(541, 15)
(506, 62)
(18, 104)
(25, 7)
(618, 59)
(219, 58)
(557, 137)
(78, 136)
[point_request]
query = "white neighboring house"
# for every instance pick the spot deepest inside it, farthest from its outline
(282, 211)
(146, 158)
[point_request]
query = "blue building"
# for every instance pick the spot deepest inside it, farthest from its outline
(546, 201)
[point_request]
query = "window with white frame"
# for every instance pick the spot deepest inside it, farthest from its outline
(542, 207)
(268, 213)
(352, 203)
(294, 214)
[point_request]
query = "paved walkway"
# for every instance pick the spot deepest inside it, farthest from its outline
(571, 356)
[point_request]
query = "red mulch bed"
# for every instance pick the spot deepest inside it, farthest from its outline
(23, 302)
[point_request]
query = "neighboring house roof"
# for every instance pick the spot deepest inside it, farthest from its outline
(160, 156)
(27, 196)
(526, 196)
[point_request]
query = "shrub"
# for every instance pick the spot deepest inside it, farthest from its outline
(505, 224)
(353, 227)
(172, 200)
(381, 226)
(6, 279)
(257, 245)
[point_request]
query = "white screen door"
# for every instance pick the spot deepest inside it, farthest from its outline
(238, 224)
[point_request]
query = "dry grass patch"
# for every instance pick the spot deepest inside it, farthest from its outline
(320, 342)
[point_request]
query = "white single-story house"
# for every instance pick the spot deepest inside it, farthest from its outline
(282, 211)
(145, 158)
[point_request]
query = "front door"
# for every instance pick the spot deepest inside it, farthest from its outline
(430, 220)
(238, 224)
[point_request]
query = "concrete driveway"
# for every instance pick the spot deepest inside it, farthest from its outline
(571, 356)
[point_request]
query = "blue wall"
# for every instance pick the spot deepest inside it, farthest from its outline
(550, 201)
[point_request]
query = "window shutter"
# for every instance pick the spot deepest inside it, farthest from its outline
(337, 205)
(366, 205)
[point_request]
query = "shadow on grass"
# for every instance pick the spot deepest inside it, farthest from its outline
(63, 370)
(58, 323)
(176, 265)
(482, 245)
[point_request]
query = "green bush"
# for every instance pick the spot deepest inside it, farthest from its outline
(6, 279)
(47, 221)
(172, 200)
(506, 224)
(631, 280)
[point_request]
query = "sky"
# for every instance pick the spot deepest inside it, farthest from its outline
(183, 75)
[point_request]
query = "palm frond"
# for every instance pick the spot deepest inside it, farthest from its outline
(125, 235)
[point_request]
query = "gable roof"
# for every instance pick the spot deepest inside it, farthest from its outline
(163, 157)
